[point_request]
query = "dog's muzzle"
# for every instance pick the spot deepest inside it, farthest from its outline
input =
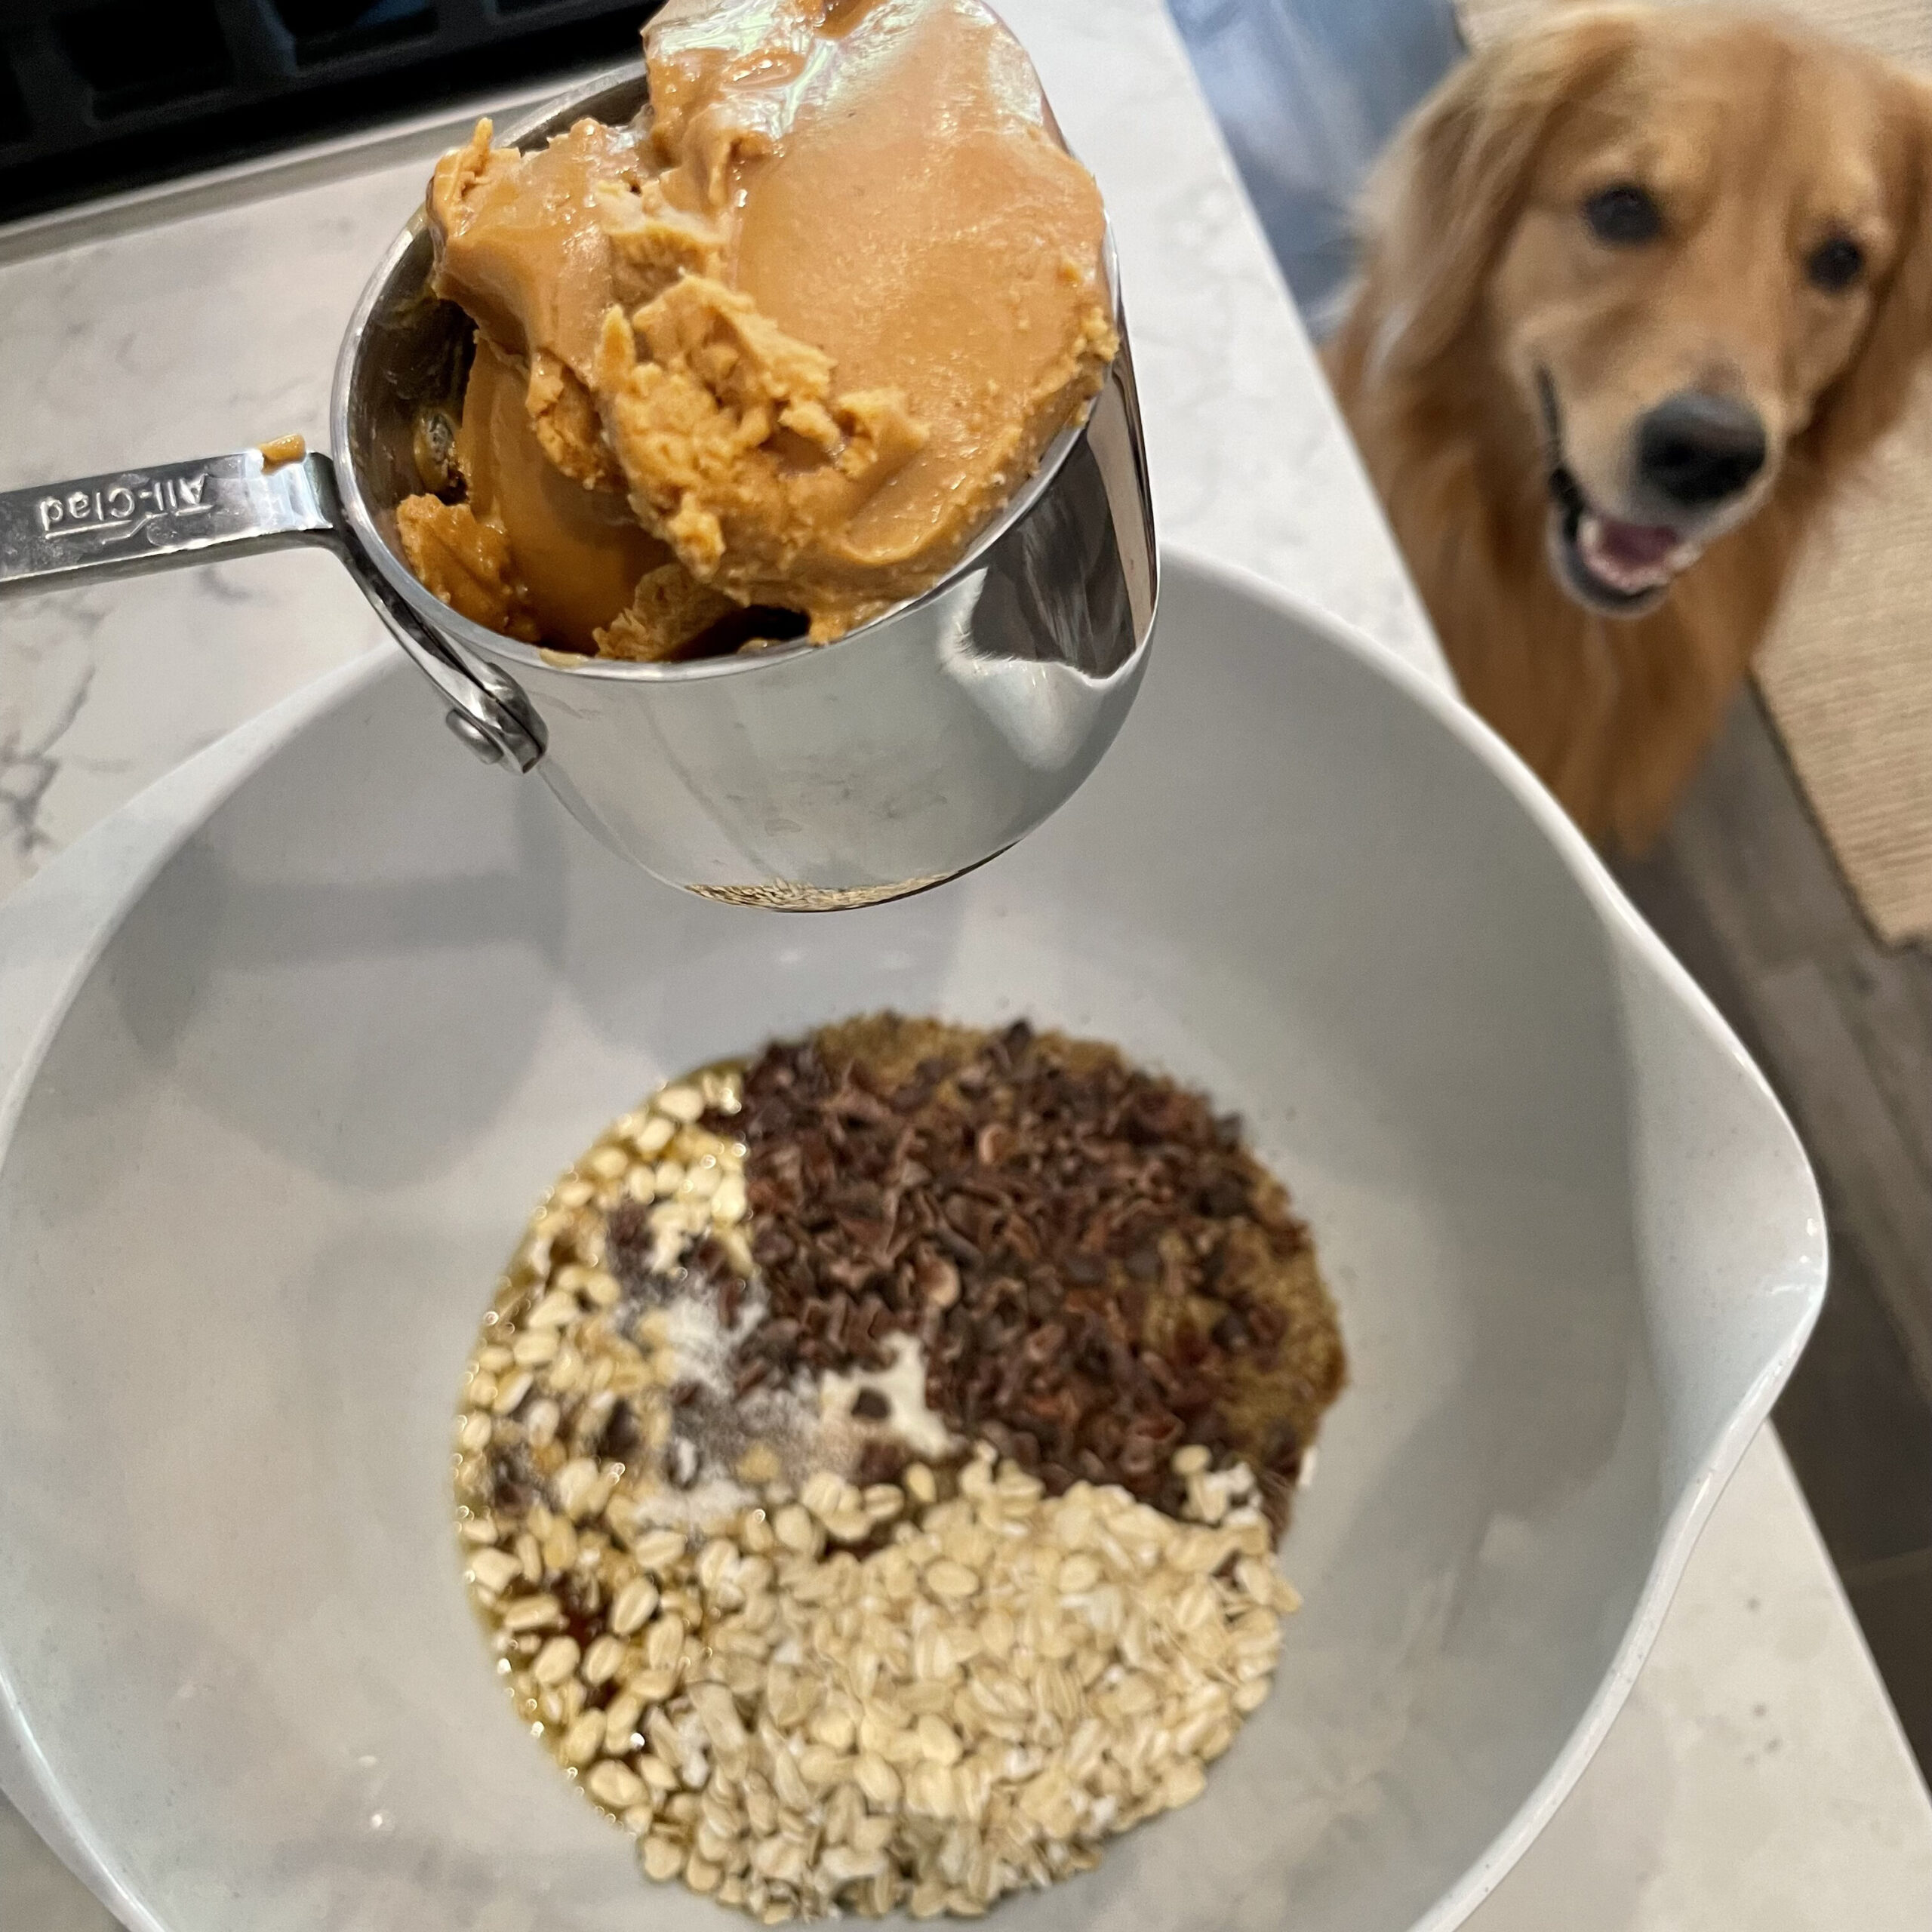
(1613, 564)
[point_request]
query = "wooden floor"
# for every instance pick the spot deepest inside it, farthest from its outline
(1745, 890)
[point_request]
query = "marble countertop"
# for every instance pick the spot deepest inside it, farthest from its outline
(1757, 1776)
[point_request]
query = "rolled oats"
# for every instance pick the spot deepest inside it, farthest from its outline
(494, 1570)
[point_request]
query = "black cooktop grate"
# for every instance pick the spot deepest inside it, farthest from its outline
(97, 95)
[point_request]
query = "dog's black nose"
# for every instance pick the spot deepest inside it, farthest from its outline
(1695, 448)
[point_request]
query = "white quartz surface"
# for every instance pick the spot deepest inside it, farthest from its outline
(1757, 1777)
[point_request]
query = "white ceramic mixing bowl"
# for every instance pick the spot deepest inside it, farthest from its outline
(288, 1049)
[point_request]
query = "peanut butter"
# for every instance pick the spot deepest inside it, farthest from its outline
(790, 342)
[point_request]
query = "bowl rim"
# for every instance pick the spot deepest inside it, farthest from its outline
(54, 930)
(367, 536)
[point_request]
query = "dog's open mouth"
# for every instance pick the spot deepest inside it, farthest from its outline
(1617, 566)
(1612, 565)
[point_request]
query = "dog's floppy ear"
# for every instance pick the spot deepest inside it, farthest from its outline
(1445, 197)
(1870, 397)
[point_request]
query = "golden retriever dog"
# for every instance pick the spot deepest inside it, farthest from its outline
(1638, 287)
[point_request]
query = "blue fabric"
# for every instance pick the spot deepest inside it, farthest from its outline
(1308, 93)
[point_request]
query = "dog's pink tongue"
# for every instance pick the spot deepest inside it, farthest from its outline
(1636, 545)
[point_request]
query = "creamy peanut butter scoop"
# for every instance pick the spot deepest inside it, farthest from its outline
(764, 362)
(756, 359)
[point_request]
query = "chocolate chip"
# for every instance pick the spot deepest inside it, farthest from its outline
(1230, 1332)
(971, 1193)
(620, 1436)
(870, 1405)
(1281, 1449)
(882, 1460)
(1044, 1344)
(1224, 1198)
(965, 1252)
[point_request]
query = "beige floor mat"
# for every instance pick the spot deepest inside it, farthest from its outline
(1847, 671)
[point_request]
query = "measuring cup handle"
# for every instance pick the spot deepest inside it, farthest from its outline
(96, 528)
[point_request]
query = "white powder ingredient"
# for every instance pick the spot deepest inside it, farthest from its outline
(903, 1384)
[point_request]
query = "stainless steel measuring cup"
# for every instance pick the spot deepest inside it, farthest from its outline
(800, 777)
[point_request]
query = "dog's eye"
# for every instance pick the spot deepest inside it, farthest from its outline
(1623, 214)
(1835, 264)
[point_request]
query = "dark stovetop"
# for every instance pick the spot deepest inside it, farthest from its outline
(100, 95)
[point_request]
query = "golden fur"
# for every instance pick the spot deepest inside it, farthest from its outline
(1480, 280)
